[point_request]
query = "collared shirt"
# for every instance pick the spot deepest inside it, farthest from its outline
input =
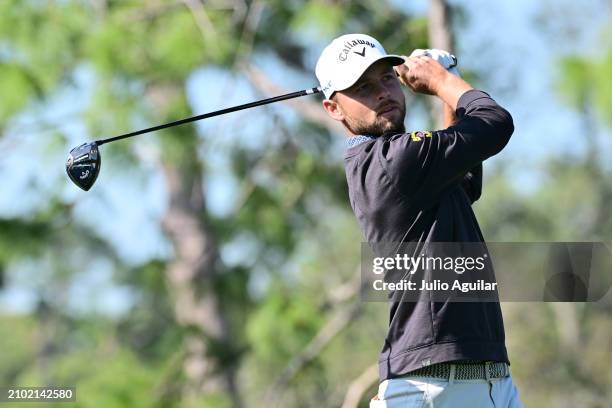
(418, 187)
(356, 140)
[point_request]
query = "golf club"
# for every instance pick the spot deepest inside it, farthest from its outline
(83, 163)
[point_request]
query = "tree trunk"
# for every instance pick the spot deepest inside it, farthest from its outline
(359, 386)
(440, 36)
(191, 273)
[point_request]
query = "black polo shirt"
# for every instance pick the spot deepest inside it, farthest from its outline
(419, 188)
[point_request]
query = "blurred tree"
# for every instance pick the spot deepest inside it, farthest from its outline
(572, 204)
(193, 325)
(441, 36)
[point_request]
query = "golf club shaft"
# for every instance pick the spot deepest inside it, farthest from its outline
(304, 92)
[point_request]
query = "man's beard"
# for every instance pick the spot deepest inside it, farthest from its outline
(381, 125)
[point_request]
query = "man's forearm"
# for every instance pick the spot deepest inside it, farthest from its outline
(450, 89)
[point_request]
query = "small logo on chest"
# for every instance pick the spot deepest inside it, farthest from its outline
(419, 135)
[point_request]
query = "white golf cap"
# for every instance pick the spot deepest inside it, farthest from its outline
(346, 58)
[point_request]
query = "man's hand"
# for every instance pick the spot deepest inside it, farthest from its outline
(445, 58)
(448, 61)
(424, 75)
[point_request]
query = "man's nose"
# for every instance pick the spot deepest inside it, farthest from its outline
(382, 92)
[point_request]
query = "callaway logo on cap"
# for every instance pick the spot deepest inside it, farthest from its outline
(343, 61)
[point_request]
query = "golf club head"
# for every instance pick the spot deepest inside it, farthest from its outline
(83, 165)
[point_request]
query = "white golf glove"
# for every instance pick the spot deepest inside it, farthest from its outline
(445, 58)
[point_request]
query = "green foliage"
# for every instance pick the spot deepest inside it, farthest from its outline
(19, 238)
(102, 45)
(18, 87)
(285, 322)
(36, 52)
(149, 328)
(319, 18)
(85, 357)
(103, 380)
(16, 336)
(107, 386)
(585, 80)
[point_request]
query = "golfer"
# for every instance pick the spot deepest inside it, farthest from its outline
(418, 187)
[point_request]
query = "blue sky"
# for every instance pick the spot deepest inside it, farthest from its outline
(514, 46)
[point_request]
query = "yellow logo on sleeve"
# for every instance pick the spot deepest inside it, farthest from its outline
(419, 135)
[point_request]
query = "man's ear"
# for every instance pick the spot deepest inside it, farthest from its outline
(333, 109)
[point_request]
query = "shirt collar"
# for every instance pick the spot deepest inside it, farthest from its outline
(356, 140)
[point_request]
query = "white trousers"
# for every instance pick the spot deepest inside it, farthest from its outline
(430, 392)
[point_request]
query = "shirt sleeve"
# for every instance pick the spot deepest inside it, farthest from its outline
(472, 183)
(421, 167)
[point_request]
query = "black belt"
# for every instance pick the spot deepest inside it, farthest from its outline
(463, 371)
